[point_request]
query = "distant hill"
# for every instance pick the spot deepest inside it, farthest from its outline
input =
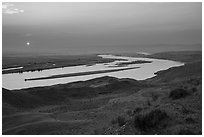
(182, 56)
(192, 67)
(179, 73)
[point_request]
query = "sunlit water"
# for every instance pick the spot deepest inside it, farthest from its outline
(146, 70)
(12, 68)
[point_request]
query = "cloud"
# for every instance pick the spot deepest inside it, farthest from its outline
(9, 8)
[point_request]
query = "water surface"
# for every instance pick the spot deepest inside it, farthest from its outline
(146, 70)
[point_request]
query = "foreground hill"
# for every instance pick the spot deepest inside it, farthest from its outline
(34, 97)
(172, 106)
(170, 103)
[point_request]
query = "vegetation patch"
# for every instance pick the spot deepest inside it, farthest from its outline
(186, 132)
(178, 93)
(149, 120)
(120, 120)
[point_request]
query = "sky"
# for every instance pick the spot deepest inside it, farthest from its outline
(86, 28)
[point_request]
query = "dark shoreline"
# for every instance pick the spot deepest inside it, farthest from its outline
(133, 62)
(31, 64)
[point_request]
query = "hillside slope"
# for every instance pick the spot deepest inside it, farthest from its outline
(169, 103)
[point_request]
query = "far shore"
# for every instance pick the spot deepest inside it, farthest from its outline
(30, 64)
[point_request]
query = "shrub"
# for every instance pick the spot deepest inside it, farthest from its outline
(154, 96)
(149, 120)
(96, 132)
(137, 110)
(148, 103)
(129, 112)
(190, 120)
(178, 93)
(114, 121)
(194, 89)
(120, 120)
(186, 132)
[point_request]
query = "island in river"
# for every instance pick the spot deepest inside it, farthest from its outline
(80, 74)
(133, 62)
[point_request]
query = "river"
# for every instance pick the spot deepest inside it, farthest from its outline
(146, 70)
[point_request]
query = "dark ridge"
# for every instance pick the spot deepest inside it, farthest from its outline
(20, 99)
(133, 62)
(57, 94)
